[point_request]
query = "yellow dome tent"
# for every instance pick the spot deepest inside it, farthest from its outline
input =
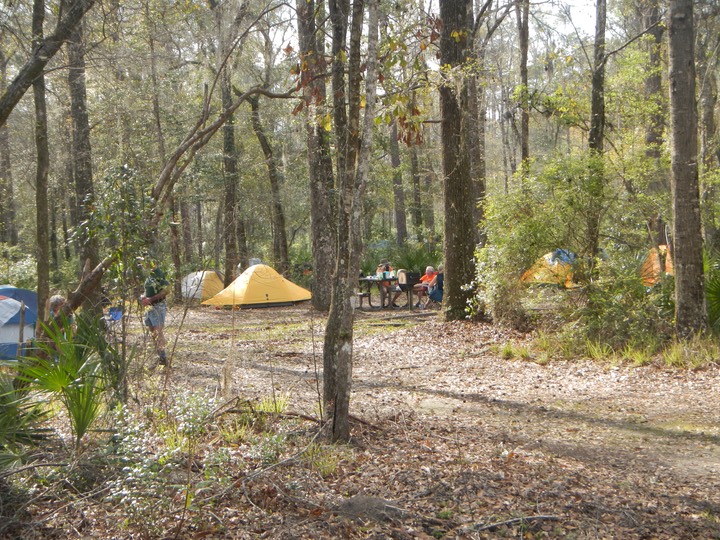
(202, 285)
(259, 286)
(554, 268)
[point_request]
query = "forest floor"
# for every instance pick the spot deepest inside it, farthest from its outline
(449, 439)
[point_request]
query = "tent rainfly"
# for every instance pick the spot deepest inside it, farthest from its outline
(259, 286)
(658, 263)
(18, 315)
(554, 268)
(202, 285)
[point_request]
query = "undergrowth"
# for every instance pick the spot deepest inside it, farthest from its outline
(165, 465)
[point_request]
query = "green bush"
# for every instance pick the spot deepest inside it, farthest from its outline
(620, 311)
(68, 371)
(17, 268)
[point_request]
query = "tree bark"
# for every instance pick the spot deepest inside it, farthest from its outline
(323, 203)
(8, 227)
(41, 173)
(280, 243)
(41, 55)
(231, 181)
(522, 10)
(690, 308)
(82, 158)
(416, 215)
(459, 245)
(707, 65)
(596, 139)
(338, 345)
(398, 190)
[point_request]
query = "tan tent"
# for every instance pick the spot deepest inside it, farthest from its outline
(259, 286)
(202, 285)
(658, 263)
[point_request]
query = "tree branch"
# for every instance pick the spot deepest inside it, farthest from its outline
(41, 56)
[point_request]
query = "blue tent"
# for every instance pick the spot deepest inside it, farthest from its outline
(16, 304)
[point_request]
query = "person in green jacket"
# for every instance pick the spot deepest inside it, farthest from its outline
(157, 288)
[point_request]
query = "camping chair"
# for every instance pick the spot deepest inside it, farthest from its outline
(405, 283)
(113, 326)
(435, 294)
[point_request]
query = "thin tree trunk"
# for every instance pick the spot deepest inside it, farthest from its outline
(8, 227)
(43, 166)
(231, 182)
(82, 158)
(416, 209)
(280, 244)
(198, 222)
(707, 64)
(596, 138)
(398, 190)
(175, 249)
(690, 309)
(323, 203)
(429, 196)
(186, 225)
(658, 185)
(338, 347)
(522, 10)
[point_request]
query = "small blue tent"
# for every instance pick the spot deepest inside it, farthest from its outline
(16, 305)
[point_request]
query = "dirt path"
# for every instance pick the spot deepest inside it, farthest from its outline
(607, 452)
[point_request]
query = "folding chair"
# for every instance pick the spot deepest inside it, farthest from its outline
(406, 281)
(435, 294)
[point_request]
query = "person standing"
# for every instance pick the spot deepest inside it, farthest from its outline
(157, 288)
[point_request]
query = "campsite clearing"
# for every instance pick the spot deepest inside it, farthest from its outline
(449, 440)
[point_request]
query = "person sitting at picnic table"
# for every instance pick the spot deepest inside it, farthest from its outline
(421, 289)
(386, 286)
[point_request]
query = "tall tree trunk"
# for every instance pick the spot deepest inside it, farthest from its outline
(231, 181)
(417, 198)
(323, 203)
(334, 338)
(280, 243)
(8, 227)
(243, 250)
(596, 138)
(43, 166)
(89, 257)
(650, 17)
(707, 64)
(522, 10)
(690, 309)
(338, 346)
(175, 248)
(398, 190)
(186, 226)
(200, 237)
(459, 248)
(429, 196)
(475, 125)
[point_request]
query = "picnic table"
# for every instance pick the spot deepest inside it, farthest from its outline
(366, 285)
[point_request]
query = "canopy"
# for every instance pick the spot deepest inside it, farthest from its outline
(202, 285)
(259, 286)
